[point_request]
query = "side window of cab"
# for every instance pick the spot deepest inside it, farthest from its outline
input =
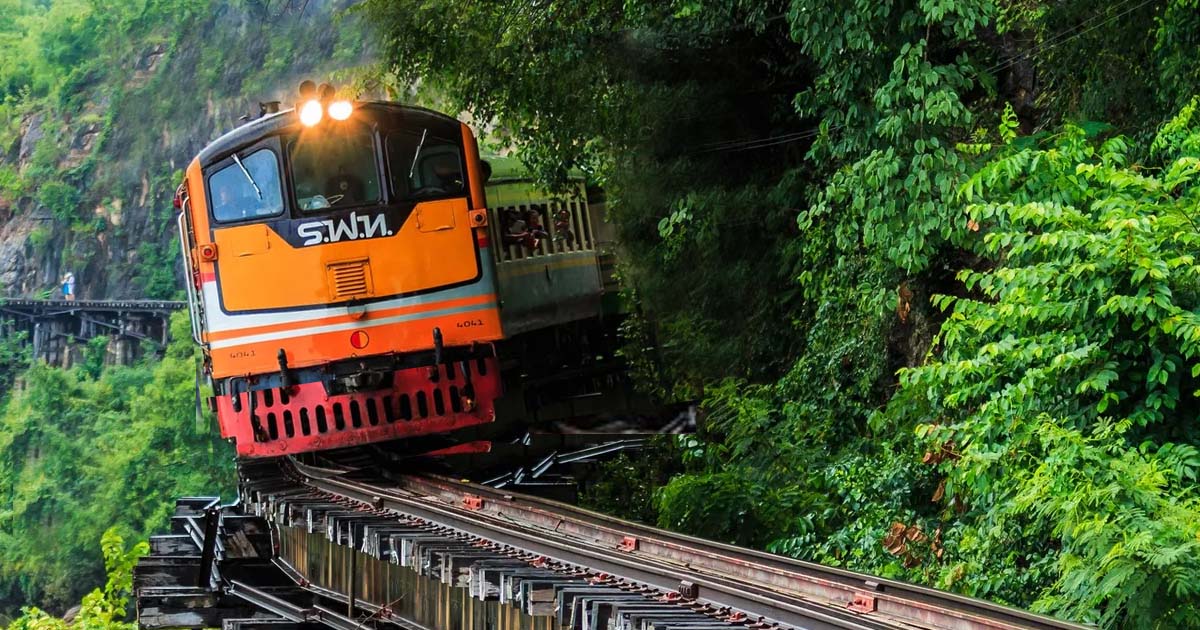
(424, 166)
(246, 188)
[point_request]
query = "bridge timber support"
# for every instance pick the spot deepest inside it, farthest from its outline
(57, 330)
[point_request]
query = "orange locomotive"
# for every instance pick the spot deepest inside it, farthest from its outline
(341, 277)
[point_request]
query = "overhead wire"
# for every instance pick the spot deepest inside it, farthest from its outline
(1053, 42)
(728, 144)
(1059, 39)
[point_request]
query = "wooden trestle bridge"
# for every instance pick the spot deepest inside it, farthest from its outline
(56, 328)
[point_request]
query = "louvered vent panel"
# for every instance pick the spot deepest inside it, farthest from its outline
(350, 279)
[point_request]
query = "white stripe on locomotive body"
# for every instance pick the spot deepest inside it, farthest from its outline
(219, 321)
(357, 325)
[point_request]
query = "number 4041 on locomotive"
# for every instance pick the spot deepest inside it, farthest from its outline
(357, 274)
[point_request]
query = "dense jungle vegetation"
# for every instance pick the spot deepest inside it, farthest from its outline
(95, 448)
(929, 264)
(102, 102)
(104, 608)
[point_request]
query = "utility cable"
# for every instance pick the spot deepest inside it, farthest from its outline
(1056, 41)
(1053, 42)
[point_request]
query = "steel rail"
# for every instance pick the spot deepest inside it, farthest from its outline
(807, 578)
(753, 599)
(717, 572)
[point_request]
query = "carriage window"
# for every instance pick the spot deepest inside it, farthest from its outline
(334, 169)
(248, 188)
(424, 166)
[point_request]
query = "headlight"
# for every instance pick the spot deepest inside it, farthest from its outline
(311, 113)
(340, 110)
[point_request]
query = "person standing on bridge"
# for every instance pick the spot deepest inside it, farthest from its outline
(68, 286)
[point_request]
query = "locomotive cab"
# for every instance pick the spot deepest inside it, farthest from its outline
(340, 277)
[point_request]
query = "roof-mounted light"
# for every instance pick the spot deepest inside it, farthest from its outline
(311, 113)
(340, 110)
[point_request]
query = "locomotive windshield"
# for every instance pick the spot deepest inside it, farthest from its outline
(247, 188)
(335, 165)
(424, 165)
(334, 170)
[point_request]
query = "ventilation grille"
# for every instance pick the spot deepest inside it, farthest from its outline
(350, 279)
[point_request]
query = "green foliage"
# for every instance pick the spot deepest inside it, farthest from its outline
(11, 184)
(58, 49)
(1055, 412)
(104, 608)
(156, 271)
(1041, 287)
(1128, 64)
(94, 354)
(891, 109)
(804, 207)
(39, 237)
(644, 97)
(1068, 375)
(83, 453)
(627, 484)
(97, 84)
(102, 103)
(47, 152)
(14, 359)
(62, 200)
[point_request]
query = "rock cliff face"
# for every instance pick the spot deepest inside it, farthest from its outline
(100, 165)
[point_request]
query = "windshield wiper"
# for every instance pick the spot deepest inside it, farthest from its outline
(412, 169)
(250, 179)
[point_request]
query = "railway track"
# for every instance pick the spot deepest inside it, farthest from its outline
(338, 546)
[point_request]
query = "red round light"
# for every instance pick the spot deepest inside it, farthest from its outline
(359, 339)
